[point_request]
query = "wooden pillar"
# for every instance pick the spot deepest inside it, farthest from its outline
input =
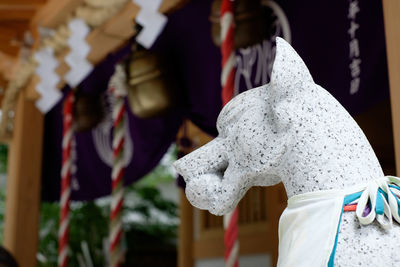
(185, 245)
(391, 11)
(276, 202)
(23, 183)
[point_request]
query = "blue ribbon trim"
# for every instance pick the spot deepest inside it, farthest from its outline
(379, 209)
(347, 200)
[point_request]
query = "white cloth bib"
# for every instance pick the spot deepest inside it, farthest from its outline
(309, 225)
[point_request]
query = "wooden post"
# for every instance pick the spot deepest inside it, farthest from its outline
(185, 245)
(391, 11)
(23, 183)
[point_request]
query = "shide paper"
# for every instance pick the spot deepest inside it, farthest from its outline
(47, 87)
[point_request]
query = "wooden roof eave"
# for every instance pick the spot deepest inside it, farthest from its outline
(103, 40)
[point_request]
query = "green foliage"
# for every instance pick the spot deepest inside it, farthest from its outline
(151, 198)
(2, 212)
(3, 158)
(89, 223)
(151, 236)
(3, 171)
(49, 222)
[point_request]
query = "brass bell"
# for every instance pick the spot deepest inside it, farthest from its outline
(149, 93)
(88, 111)
(250, 25)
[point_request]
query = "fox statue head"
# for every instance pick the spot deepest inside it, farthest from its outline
(290, 130)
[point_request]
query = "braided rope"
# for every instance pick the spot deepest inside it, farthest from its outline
(104, 3)
(231, 238)
(24, 73)
(227, 50)
(58, 40)
(227, 81)
(117, 194)
(96, 16)
(63, 233)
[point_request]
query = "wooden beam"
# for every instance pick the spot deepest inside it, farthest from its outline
(11, 36)
(22, 2)
(276, 200)
(54, 13)
(11, 50)
(7, 66)
(253, 239)
(185, 244)
(121, 26)
(17, 12)
(391, 11)
(23, 184)
(170, 6)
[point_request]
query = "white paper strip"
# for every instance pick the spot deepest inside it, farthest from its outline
(79, 28)
(80, 67)
(48, 101)
(47, 87)
(151, 20)
(76, 75)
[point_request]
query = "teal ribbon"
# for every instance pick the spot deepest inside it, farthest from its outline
(379, 209)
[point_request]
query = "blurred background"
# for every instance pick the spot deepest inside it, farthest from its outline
(100, 97)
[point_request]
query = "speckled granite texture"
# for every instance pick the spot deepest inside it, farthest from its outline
(294, 131)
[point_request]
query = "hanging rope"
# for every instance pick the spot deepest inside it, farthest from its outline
(63, 233)
(227, 81)
(96, 16)
(231, 241)
(117, 194)
(227, 50)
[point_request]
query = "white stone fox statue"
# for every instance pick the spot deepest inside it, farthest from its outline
(293, 131)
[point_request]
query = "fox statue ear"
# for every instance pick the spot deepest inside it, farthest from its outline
(289, 71)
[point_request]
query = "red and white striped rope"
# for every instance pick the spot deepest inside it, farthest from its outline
(228, 91)
(227, 50)
(231, 238)
(63, 232)
(117, 175)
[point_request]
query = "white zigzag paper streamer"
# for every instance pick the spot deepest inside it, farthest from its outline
(47, 88)
(152, 21)
(80, 67)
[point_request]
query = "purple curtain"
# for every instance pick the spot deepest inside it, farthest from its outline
(342, 43)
